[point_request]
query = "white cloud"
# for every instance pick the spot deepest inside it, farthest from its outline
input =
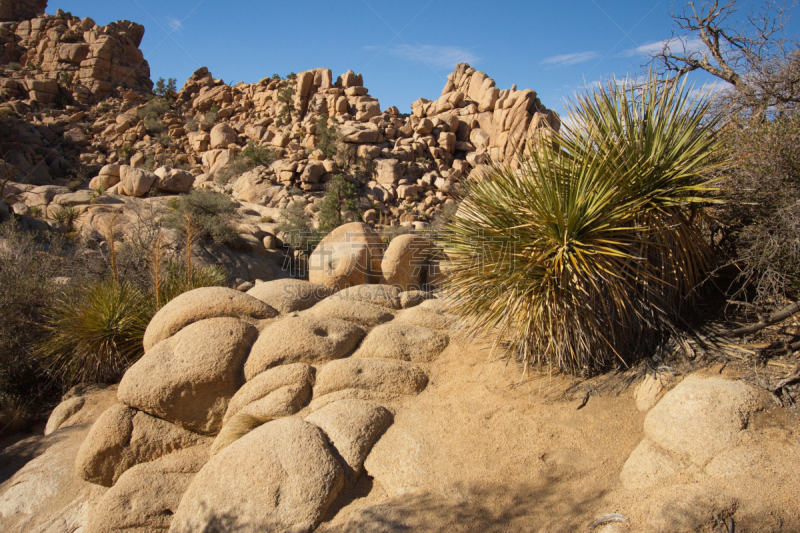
(570, 59)
(175, 24)
(676, 45)
(434, 55)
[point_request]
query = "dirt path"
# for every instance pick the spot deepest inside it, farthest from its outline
(480, 451)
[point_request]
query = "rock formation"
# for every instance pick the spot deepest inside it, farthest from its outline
(231, 407)
(65, 57)
(17, 10)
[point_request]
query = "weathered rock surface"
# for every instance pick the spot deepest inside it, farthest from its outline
(199, 304)
(383, 295)
(40, 491)
(349, 255)
(424, 317)
(403, 342)
(288, 295)
(370, 374)
(361, 313)
(189, 378)
(145, 497)
(301, 339)
(352, 426)
(135, 181)
(123, 437)
(279, 476)
(83, 404)
(702, 416)
(296, 375)
(405, 262)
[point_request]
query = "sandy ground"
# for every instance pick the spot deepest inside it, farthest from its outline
(482, 450)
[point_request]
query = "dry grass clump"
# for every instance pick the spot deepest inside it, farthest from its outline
(589, 250)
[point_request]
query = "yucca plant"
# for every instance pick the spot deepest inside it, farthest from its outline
(95, 333)
(590, 249)
(178, 280)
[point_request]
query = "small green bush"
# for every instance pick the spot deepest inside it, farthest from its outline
(66, 216)
(203, 214)
(286, 97)
(339, 205)
(125, 152)
(155, 109)
(166, 89)
(177, 280)
(296, 229)
(154, 126)
(35, 211)
(328, 135)
(14, 67)
(252, 156)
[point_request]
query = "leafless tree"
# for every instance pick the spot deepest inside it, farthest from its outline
(751, 53)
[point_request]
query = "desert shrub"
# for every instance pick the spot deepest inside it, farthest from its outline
(7, 112)
(154, 109)
(154, 125)
(760, 222)
(35, 211)
(252, 156)
(286, 97)
(125, 152)
(178, 280)
(67, 216)
(328, 135)
(14, 67)
(95, 332)
(164, 140)
(204, 214)
(256, 155)
(339, 205)
(297, 230)
(65, 79)
(32, 272)
(166, 88)
(590, 250)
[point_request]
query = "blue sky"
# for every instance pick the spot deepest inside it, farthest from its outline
(404, 48)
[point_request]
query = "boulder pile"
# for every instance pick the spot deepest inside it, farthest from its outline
(255, 410)
(50, 52)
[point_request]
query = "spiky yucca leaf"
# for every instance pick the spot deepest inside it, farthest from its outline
(579, 254)
(96, 333)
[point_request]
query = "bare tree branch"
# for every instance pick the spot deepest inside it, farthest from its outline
(753, 55)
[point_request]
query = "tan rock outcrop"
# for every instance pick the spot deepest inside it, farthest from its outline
(405, 262)
(279, 476)
(189, 378)
(352, 426)
(349, 255)
(301, 339)
(403, 342)
(370, 374)
(147, 495)
(289, 295)
(361, 313)
(123, 437)
(199, 304)
(298, 375)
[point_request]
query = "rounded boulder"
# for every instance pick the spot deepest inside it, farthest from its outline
(200, 304)
(189, 378)
(301, 339)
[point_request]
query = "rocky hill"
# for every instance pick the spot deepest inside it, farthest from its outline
(297, 407)
(76, 104)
